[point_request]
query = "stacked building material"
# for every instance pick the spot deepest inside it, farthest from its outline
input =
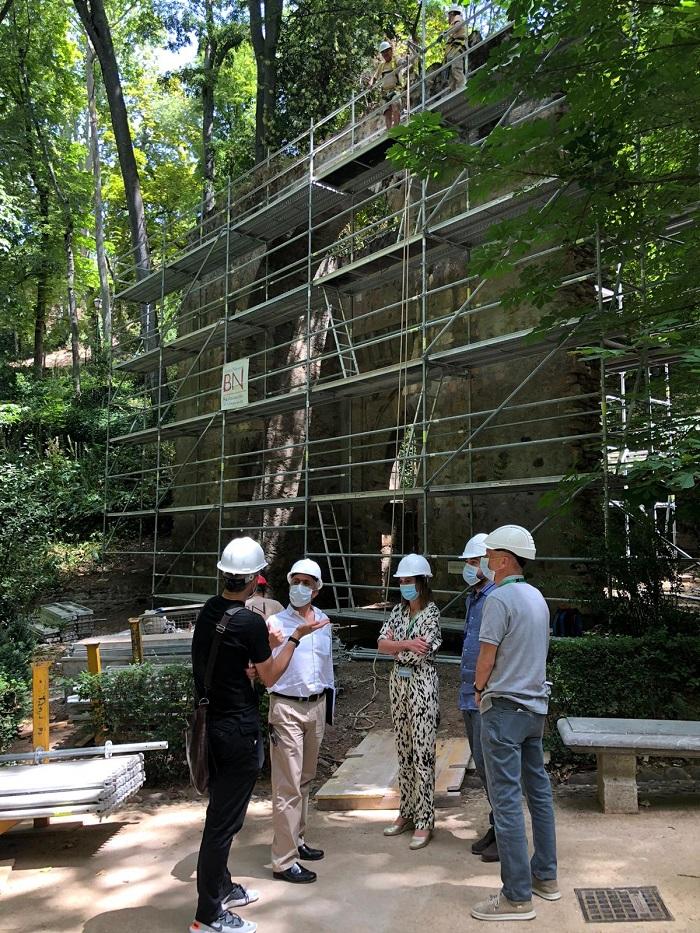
(64, 622)
(116, 651)
(69, 787)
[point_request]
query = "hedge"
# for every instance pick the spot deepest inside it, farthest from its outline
(650, 677)
(144, 703)
(14, 707)
(16, 646)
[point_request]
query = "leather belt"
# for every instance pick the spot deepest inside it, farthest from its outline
(309, 699)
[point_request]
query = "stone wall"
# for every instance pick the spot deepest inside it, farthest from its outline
(273, 446)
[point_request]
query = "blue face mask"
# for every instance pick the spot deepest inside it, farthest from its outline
(470, 574)
(485, 569)
(409, 591)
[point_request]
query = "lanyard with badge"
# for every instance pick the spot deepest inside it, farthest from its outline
(403, 670)
(511, 580)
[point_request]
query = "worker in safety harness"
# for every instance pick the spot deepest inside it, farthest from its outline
(455, 46)
(389, 78)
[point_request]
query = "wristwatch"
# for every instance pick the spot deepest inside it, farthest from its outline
(295, 641)
(478, 689)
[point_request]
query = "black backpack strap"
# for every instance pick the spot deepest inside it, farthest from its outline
(221, 627)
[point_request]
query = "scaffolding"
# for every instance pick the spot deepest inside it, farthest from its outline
(387, 401)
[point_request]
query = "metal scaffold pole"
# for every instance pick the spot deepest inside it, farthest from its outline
(425, 375)
(161, 376)
(224, 360)
(603, 402)
(309, 301)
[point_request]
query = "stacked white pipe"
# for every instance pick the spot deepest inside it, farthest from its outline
(77, 783)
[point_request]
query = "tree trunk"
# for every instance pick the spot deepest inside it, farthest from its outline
(208, 83)
(42, 283)
(265, 38)
(5, 9)
(94, 19)
(102, 269)
(72, 306)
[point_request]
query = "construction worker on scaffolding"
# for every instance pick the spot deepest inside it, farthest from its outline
(389, 78)
(455, 47)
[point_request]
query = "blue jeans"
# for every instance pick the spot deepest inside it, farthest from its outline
(511, 737)
(472, 725)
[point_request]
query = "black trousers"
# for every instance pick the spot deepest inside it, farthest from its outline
(233, 771)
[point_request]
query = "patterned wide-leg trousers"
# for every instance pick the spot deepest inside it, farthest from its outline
(415, 713)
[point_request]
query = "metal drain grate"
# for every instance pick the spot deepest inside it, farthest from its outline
(619, 905)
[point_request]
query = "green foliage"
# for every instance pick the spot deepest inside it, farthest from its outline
(14, 706)
(654, 677)
(141, 703)
(621, 137)
(16, 646)
(325, 54)
(17, 643)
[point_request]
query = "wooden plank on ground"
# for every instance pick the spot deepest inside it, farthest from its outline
(374, 741)
(368, 778)
(450, 765)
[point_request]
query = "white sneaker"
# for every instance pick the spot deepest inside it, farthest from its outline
(239, 896)
(225, 923)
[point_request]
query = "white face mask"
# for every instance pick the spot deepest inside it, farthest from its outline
(485, 569)
(300, 595)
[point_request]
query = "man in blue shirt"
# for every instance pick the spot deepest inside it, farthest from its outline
(481, 586)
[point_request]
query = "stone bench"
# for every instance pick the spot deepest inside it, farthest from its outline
(617, 743)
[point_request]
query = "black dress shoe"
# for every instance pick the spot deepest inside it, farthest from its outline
(297, 874)
(490, 853)
(485, 841)
(310, 854)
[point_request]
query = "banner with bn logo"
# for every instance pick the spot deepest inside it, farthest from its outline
(234, 384)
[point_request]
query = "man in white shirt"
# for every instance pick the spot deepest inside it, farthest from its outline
(297, 720)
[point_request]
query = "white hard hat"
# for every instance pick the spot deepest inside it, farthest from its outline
(475, 546)
(512, 538)
(242, 557)
(307, 566)
(455, 9)
(413, 565)
(384, 46)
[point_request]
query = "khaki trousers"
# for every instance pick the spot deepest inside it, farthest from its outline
(457, 77)
(296, 731)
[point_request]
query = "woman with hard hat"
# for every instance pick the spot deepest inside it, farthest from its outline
(412, 635)
(388, 77)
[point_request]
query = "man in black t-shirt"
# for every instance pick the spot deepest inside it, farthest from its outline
(232, 692)
(235, 741)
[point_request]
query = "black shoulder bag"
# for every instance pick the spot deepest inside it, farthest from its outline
(196, 733)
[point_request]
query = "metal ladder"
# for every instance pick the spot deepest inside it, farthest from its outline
(335, 555)
(341, 334)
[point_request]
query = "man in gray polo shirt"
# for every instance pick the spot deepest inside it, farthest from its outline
(513, 695)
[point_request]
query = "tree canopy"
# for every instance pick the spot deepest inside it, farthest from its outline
(621, 141)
